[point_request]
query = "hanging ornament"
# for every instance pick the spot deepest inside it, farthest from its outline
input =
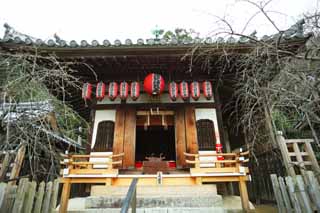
(100, 90)
(184, 90)
(173, 91)
(113, 90)
(153, 84)
(195, 90)
(207, 89)
(124, 90)
(86, 91)
(135, 90)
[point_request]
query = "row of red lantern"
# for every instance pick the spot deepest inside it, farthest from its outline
(183, 87)
(113, 89)
(123, 89)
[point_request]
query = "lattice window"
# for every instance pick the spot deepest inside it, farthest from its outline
(206, 136)
(104, 139)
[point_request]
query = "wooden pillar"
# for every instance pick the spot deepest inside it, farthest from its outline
(191, 130)
(129, 138)
(180, 133)
(244, 194)
(119, 132)
(65, 196)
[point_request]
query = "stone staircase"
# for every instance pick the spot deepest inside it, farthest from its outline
(151, 199)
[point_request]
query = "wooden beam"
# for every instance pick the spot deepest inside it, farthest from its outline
(180, 133)
(129, 138)
(17, 164)
(191, 130)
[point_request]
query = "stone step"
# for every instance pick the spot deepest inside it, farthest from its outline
(160, 210)
(155, 201)
(156, 191)
(230, 204)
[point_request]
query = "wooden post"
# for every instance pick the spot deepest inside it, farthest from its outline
(299, 157)
(293, 195)
(285, 195)
(304, 196)
(191, 130)
(244, 194)
(119, 133)
(3, 187)
(277, 193)
(54, 196)
(28, 201)
(129, 138)
(313, 188)
(5, 166)
(39, 198)
(180, 134)
(47, 198)
(21, 192)
(313, 159)
(10, 195)
(285, 154)
(65, 196)
(17, 164)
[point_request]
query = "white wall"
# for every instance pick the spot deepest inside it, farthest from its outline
(101, 115)
(211, 114)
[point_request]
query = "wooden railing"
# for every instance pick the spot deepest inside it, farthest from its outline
(210, 168)
(131, 198)
(232, 162)
(86, 164)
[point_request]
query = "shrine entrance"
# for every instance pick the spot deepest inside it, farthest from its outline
(155, 141)
(155, 138)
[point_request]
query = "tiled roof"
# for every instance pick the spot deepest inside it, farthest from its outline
(130, 43)
(15, 37)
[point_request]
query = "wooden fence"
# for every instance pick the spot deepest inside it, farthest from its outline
(297, 194)
(29, 197)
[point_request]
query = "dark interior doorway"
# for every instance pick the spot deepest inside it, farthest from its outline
(154, 141)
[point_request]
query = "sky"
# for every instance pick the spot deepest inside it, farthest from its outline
(120, 19)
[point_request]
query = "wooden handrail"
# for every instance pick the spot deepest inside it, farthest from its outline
(95, 163)
(211, 161)
(244, 153)
(131, 198)
(210, 155)
(97, 156)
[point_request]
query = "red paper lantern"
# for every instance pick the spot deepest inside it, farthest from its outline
(124, 90)
(173, 91)
(86, 91)
(100, 90)
(113, 90)
(184, 90)
(153, 84)
(195, 90)
(207, 89)
(135, 90)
